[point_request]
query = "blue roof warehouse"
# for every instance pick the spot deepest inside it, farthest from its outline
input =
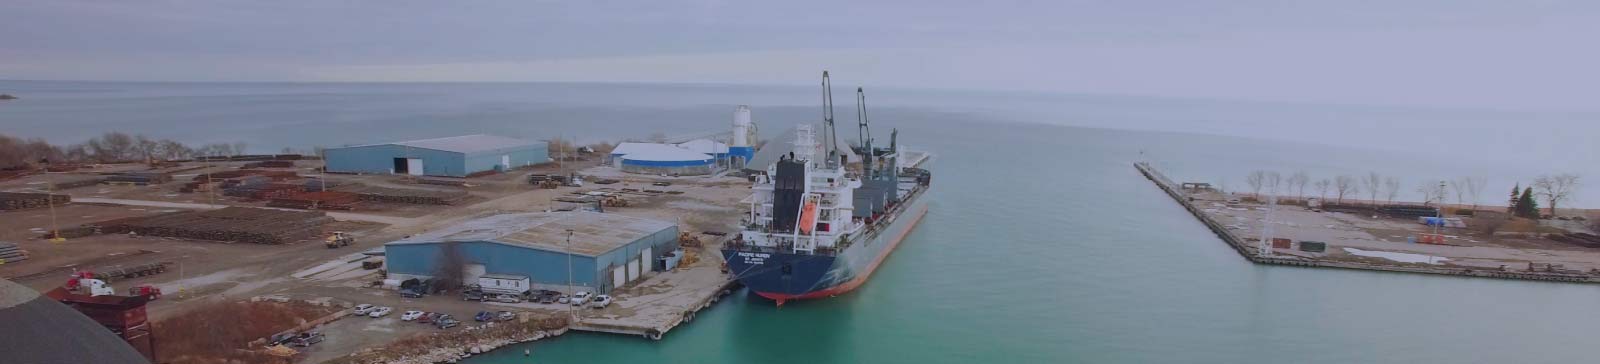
(605, 251)
(456, 156)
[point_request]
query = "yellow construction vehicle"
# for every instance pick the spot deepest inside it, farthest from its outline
(339, 239)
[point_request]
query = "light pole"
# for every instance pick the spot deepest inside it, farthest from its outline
(570, 312)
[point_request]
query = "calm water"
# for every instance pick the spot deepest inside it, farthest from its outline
(1042, 245)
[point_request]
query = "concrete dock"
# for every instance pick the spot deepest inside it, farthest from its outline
(1249, 250)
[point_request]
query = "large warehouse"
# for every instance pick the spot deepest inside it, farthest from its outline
(456, 156)
(606, 250)
(653, 158)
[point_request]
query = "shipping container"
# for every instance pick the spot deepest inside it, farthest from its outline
(1313, 246)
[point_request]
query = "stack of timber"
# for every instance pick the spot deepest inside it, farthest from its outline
(318, 185)
(72, 232)
(239, 224)
(24, 200)
(1580, 239)
(324, 200)
(268, 164)
(262, 191)
(407, 196)
(274, 175)
(15, 173)
(10, 253)
(78, 183)
(442, 182)
(139, 178)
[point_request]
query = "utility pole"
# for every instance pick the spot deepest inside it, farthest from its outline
(50, 199)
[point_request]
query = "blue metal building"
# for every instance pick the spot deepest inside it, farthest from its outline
(605, 250)
(450, 157)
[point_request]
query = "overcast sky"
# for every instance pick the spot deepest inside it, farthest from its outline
(1525, 54)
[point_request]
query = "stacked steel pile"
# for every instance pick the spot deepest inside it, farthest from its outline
(10, 252)
(409, 196)
(322, 200)
(23, 200)
(240, 224)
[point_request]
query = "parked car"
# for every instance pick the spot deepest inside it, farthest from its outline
(307, 339)
(363, 309)
(379, 312)
(410, 293)
(564, 299)
(483, 316)
(601, 301)
(447, 323)
(280, 339)
(411, 315)
(428, 317)
(548, 296)
(506, 298)
(472, 295)
(580, 298)
(505, 316)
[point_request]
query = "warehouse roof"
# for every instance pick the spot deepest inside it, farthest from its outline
(657, 152)
(706, 146)
(40, 330)
(463, 144)
(593, 233)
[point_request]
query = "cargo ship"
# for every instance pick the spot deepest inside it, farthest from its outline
(820, 221)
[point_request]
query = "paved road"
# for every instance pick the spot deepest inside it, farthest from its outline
(347, 216)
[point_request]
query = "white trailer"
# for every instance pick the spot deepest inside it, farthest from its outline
(504, 284)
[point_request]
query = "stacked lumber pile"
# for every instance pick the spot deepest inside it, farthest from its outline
(262, 191)
(24, 200)
(10, 253)
(274, 175)
(325, 200)
(78, 183)
(269, 164)
(407, 196)
(139, 178)
(73, 232)
(239, 224)
(1580, 239)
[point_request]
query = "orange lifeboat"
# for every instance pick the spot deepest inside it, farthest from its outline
(808, 216)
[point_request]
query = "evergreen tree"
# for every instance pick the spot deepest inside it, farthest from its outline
(1527, 206)
(1516, 194)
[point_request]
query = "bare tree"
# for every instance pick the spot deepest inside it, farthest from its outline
(1298, 181)
(1322, 186)
(1555, 189)
(1475, 189)
(1432, 192)
(1345, 185)
(1255, 180)
(1391, 188)
(1274, 182)
(1374, 184)
(658, 137)
(238, 148)
(1458, 187)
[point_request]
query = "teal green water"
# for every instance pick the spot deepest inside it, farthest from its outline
(1042, 243)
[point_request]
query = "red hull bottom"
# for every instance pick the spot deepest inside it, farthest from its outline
(860, 279)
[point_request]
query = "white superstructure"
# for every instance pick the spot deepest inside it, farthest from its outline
(744, 130)
(824, 219)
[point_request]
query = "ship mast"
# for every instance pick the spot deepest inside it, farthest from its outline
(832, 138)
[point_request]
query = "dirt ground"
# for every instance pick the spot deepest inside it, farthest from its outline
(1465, 247)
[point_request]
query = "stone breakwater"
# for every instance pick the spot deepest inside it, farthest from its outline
(1248, 251)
